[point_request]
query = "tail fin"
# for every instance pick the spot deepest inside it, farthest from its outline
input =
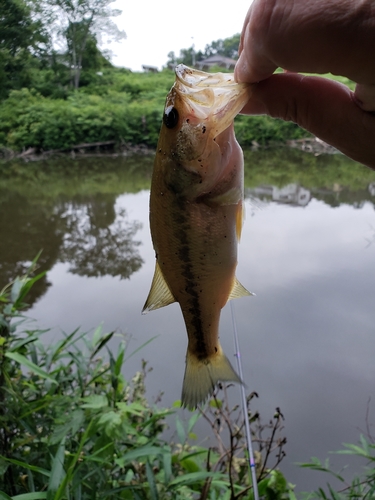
(201, 376)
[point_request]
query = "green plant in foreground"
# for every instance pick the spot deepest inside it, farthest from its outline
(361, 486)
(72, 427)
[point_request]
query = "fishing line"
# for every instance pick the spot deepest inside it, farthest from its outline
(244, 407)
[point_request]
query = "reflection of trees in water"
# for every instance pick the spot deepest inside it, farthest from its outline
(25, 229)
(86, 232)
(342, 195)
(47, 208)
(100, 242)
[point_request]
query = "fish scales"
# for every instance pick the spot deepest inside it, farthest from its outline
(196, 218)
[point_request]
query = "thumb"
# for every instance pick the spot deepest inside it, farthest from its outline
(323, 107)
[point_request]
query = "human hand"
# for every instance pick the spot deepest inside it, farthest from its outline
(320, 36)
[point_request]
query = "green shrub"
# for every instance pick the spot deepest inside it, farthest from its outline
(31, 120)
(113, 105)
(72, 427)
(361, 486)
(265, 130)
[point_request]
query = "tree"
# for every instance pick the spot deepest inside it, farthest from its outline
(227, 47)
(187, 56)
(75, 22)
(21, 39)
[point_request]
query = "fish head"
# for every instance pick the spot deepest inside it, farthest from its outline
(197, 134)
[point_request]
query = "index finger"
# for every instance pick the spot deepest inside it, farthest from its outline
(253, 65)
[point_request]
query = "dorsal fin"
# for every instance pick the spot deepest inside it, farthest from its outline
(238, 290)
(160, 294)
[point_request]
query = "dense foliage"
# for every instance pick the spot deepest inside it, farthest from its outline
(120, 106)
(56, 100)
(30, 30)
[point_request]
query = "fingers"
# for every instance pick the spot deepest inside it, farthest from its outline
(335, 37)
(250, 67)
(324, 107)
(253, 64)
(365, 96)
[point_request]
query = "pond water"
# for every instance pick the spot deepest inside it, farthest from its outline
(307, 251)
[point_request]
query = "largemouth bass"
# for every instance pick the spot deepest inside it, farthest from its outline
(196, 214)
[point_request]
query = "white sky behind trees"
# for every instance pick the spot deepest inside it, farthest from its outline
(156, 27)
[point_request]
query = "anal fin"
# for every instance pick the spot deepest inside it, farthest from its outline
(160, 294)
(238, 290)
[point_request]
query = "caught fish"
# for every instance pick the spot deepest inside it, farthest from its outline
(196, 215)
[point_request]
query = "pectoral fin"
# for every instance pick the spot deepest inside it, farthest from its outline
(238, 290)
(231, 197)
(160, 294)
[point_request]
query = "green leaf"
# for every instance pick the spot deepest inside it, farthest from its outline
(216, 403)
(61, 493)
(72, 425)
(277, 482)
(16, 288)
(141, 347)
(135, 408)
(151, 482)
(192, 421)
(195, 477)
(4, 496)
(167, 466)
(145, 451)
(26, 286)
(34, 468)
(190, 465)
(36, 495)
(19, 358)
(316, 464)
(97, 335)
(120, 359)
(103, 341)
(180, 430)
(57, 472)
(96, 401)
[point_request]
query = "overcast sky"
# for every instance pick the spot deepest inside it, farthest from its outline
(156, 27)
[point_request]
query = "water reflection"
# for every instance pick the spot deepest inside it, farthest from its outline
(293, 194)
(67, 208)
(40, 210)
(99, 242)
(26, 228)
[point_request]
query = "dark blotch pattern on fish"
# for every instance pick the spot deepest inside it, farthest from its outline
(184, 254)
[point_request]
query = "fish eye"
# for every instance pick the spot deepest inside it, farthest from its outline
(170, 117)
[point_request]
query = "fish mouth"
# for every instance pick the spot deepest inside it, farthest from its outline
(216, 97)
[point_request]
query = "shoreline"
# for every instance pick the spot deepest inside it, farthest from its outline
(110, 149)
